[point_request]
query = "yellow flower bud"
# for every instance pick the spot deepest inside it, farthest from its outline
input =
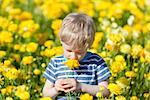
(36, 71)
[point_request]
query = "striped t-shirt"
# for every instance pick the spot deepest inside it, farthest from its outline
(92, 70)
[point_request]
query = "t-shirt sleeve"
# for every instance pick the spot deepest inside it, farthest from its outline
(50, 72)
(102, 71)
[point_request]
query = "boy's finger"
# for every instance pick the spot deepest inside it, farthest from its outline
(67, 86)
(61, 89)
(69, 90)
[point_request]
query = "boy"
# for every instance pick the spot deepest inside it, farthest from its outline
(77, 35)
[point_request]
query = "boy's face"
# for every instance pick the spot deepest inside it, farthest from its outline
(71, 53)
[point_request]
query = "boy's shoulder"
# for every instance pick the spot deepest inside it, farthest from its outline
(93, 58)
(91, 55)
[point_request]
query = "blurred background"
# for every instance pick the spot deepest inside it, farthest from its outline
(29, 39)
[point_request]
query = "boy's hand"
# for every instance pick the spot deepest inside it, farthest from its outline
(59, 85)
(70, 84)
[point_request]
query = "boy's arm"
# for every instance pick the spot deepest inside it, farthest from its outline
(49, 90)
(93, 89)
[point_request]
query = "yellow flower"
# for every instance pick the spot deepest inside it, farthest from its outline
(31, 47)
(122, 82)
(7, 62)
(109, 46)
(120, 58)
(130, 74)
(115, 37)
(9, 98)
(72, 63)
(114, 88)
(142, 59)
(28, 26)
(56, 24)
(86, 7)
(6, 37)
(92, 50)
(146, 95)
(22, 93)
(14, 13)
(46, 98)
(86, 96)
(134, 98)
(103, 54)
(52, 11)
(99, 94)
(125, 48)
(10, 89)
(117, 66)
(98, 38)
(26, 34)
(22, 48)
(135, 50)
(146, 28)
(38, 2)
(17, 46)
(36, 71)
(4, 22)
(43, 65)
(120, 98)
(25, 15)
(102, 5)
(49, 43)
(2, 53)
(16, 57)
(3, 91)
(27, 60)
(147, 76)
(49, 52)
(11, 73)
(12, 27)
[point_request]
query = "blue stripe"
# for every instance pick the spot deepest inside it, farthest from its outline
(104, 78)
(47, 77)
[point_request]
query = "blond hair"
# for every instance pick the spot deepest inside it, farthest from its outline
(77, 29)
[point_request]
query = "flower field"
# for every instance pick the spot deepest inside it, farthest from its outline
(29, 39)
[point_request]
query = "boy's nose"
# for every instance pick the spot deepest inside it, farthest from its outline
(74, 56)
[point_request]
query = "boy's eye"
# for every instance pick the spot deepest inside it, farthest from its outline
(69, 50)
